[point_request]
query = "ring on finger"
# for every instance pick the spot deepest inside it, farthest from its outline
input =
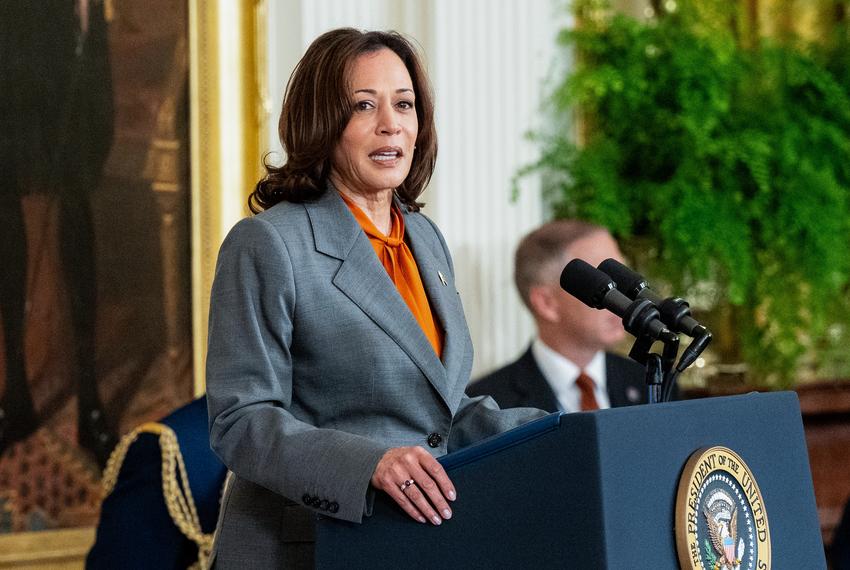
(406, 484)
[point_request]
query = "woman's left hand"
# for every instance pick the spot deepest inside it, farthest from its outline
(417, 482)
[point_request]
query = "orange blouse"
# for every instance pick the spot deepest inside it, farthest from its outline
(398, 260)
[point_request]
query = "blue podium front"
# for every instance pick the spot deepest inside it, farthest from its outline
(598, 490)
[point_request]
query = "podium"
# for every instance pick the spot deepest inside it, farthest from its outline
(594, 490)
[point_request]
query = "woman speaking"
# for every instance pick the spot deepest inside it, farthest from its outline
(338, 349)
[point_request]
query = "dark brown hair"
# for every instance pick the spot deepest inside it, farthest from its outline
(542, 254)
(317, 106)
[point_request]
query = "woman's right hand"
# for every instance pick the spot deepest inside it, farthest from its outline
(425, 499)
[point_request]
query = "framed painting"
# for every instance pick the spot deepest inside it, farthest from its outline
(129, 140)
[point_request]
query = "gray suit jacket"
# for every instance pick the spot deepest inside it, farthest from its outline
(316, 367)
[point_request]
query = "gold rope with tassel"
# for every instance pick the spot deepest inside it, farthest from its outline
(175, 484)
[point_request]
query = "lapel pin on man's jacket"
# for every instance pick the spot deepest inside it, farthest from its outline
(442, 279)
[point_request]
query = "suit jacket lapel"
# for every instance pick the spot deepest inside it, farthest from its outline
(532, 386)
(441, 291)
(626, 382)
(539, 393)
(362, 278)
(614, 383)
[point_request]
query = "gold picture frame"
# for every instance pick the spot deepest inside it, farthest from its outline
(226, 46)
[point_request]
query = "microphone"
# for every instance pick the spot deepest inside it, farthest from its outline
(597, 290)
(675, 312)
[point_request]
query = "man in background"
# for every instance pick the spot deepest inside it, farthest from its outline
(567, 367)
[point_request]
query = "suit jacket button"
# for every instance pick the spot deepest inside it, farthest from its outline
(324, 504)
(333, 507)
(435, 439)
(308, 500)
(316, 502)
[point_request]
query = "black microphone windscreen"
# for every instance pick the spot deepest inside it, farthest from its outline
(586, 283)
(628, 282)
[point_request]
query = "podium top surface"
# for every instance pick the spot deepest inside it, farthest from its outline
(786, 401)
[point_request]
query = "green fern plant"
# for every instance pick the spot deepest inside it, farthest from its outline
(730, 164)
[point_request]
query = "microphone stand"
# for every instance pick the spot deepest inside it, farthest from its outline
(671, 311)
(654, 376)
(689, 356)
(658, 367)
(676, 314)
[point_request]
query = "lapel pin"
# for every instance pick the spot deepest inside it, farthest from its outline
(442, 279)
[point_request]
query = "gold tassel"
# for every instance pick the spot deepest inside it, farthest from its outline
(175, 484)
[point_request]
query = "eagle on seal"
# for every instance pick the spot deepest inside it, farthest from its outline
(723, 538)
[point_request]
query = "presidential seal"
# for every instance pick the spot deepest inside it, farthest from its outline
(721, 523)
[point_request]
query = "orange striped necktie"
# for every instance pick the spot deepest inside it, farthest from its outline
(400, 265)
(587, 391)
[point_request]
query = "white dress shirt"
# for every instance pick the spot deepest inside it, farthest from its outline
(561, 374)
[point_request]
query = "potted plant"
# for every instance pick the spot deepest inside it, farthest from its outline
(724, 157)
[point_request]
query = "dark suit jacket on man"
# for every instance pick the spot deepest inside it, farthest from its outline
(521, 384)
